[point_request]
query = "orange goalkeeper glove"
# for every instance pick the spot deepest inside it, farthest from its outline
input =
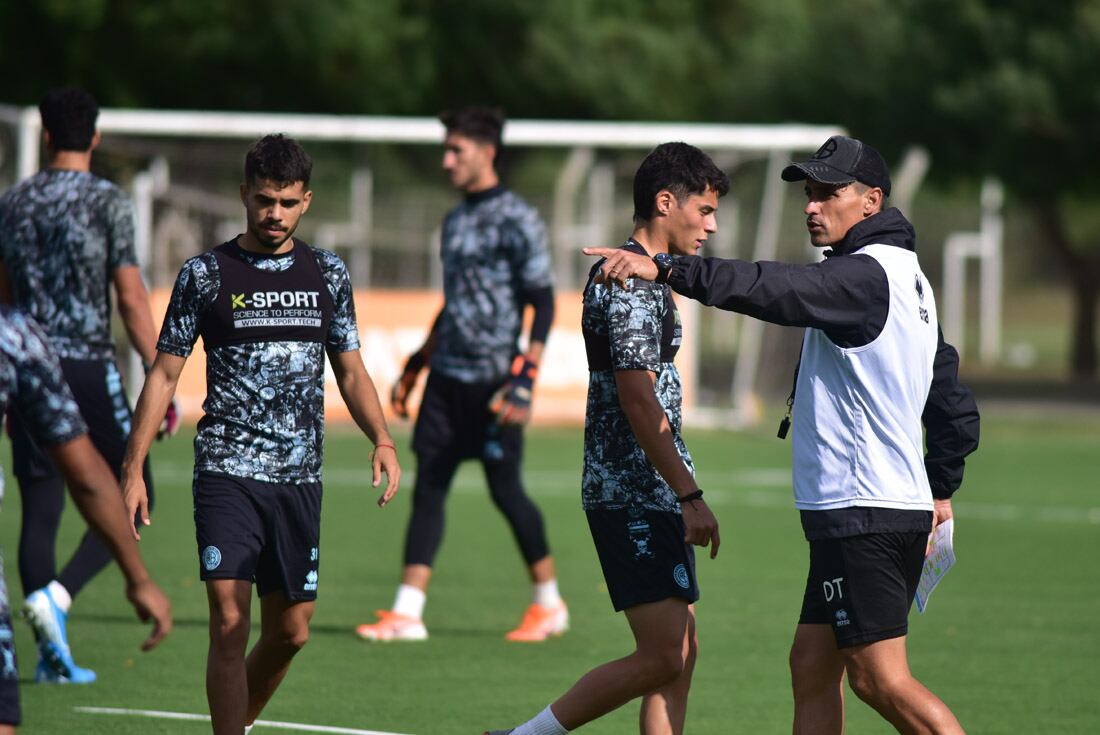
(512, 403)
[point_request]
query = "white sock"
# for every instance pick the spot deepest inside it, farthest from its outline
(60, 595)
(546, 593)
(544, 723)
(409, 601)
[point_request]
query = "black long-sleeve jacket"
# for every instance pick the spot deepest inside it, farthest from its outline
(847, 297)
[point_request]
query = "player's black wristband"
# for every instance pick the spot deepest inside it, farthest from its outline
(697, 495)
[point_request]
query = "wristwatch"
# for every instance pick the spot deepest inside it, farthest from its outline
(664, 263)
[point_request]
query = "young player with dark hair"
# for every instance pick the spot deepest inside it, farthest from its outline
(268, 308)
(66, 236)
(478, 396)
(874, 368)
(638, 489)
(31, 382)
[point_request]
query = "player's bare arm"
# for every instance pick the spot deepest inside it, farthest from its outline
(650, 425)
(414, 365)
(622, 265)
(358, 392)
(156, 395)
(95, 493)
(133, 308)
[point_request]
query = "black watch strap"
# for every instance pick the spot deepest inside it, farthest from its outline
(664, 263)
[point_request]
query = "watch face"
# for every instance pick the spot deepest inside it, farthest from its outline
(664, 265)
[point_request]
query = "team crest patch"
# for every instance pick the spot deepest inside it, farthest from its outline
(680, 574)
(211, 558)
(842, 617)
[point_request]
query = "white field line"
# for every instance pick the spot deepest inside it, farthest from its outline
(566, 484)
(273, 724)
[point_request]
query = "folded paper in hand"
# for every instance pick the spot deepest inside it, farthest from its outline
(939, 560)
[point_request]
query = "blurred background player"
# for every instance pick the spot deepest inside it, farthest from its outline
(31, 381)
(478, 395)
(66, 235)
(874, 368)
(638, 490)
(268, 308)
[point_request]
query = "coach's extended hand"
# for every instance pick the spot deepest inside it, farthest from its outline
(700, 525)
(399, 396)
(622, 264)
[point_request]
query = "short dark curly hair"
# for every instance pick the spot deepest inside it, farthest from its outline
(69, 115)
(680, 168)
(483, 124)
(277, 158)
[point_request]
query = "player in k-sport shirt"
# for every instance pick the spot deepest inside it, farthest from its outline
(268, 308)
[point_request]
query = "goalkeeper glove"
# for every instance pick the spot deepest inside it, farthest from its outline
(512, 403)
(171, 423)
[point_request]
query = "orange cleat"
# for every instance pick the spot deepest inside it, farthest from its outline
(541, 622)
(393, 626)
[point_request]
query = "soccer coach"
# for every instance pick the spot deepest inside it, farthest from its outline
(873, 367)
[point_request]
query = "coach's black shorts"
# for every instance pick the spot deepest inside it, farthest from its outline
(262, 531)
(454, 419)
(643, 556)
(863, 586)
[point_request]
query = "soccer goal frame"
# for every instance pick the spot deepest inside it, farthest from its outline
(581, 172)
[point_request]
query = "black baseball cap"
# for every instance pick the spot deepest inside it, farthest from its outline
(842, 160)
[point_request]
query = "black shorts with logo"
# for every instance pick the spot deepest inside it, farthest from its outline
(643, 555)
(863, 586)
(262, 531)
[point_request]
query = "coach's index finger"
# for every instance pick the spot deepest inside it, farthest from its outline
(600, 252)
(715, 541)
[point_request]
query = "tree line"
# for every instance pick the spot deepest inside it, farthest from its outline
(1003, 87)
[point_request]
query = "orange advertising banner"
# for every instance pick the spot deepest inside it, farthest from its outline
(392, 324)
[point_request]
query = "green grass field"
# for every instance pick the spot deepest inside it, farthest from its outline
(1011, 639)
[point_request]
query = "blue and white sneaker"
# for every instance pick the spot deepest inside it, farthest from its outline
(44, 673)
(55, 661)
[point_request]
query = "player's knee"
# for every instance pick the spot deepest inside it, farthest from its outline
(296, 638)
(229, 630)
(873, 685)
(664, 665)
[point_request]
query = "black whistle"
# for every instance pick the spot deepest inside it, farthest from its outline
(784, 427)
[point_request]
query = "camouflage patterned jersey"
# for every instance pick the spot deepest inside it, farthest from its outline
(62, 235)
(628, 329)
(31, 382)
(264, 409)
(494, 251)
